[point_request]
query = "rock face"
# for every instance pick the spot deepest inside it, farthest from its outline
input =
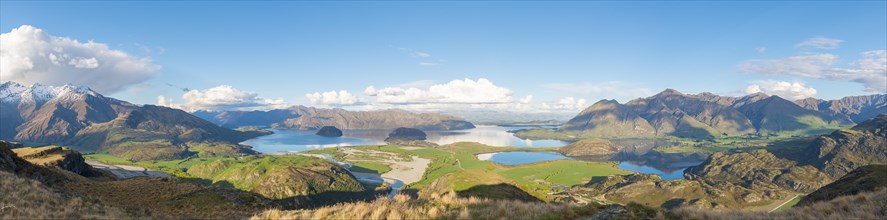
(312, 118)
(671, 113)
(66, 159)
(406, 134)
(81, 118)
(589, 147)
(845, 150)
(758, 170)
(329, 131)
(863, 179)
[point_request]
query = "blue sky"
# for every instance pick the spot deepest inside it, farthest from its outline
(266, 51)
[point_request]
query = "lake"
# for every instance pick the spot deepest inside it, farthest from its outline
(676, 170)
(520, 157)
(297, 140)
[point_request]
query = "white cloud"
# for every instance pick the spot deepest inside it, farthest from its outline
(527, 100)
(421, 54)
(222, 97)
(608, 90)
(761, 49)
(786, 90)
(820, 43)
(457, 91)
(333, 98)
(870, 70)
(568, 103)
(370, 91)
(30, 55)
(429, 64)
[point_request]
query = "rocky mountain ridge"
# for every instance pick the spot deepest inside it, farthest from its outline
(81, 118)
(672, 113)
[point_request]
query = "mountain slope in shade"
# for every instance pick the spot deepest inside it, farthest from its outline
(863, 179)
(608, 118)
(775, 114)
(80, 117)
(313, 118)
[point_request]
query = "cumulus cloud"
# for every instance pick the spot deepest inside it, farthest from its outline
(870, 70)
(820, 43)
(568, 103)
(786, 90)
(333, 98)
(457, 91)
(609, 90)
(220, 98)
(31, 55)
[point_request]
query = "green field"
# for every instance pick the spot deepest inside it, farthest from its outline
(790, 204)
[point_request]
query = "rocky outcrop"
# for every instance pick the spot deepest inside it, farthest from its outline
(329, 131)
(758, 170)
(589, 147)
(845, 150)
(55, 156)
(863, 179)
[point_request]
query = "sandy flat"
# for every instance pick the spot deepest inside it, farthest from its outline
(408, 171)
(126, 171)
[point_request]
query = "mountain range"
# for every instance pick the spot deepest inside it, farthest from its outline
(80, 117)
(311, 118)
(671, 113)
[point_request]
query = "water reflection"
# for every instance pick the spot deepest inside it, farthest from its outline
(489, 135)
(676, 170)
(296, 140)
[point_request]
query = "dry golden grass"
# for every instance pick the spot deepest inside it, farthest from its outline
(868, 205)
(446, 206)
(23, 198)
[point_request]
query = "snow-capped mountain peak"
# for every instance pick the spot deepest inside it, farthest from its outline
(12, 92)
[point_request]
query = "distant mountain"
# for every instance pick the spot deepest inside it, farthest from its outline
(855, 108)
(83, 118)
(671, 113)
(234, 119)
(313, 118)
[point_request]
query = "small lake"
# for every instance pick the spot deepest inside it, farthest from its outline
(520, 157)
(299, 140)
(675, 171)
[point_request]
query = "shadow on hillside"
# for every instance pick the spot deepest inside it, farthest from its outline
(305, 201)
(498, 191)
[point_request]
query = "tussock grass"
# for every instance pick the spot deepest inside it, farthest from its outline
(437, 206)
(868, 205)
(23, 198)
